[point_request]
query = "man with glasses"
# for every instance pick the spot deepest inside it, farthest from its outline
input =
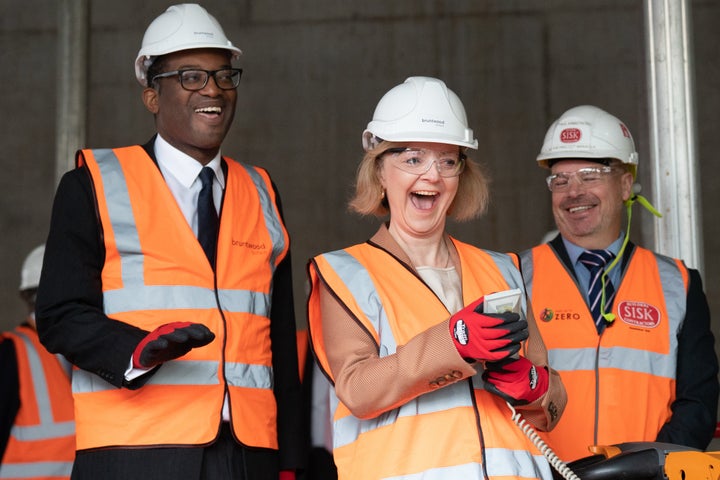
(627, 328)
(167, 283)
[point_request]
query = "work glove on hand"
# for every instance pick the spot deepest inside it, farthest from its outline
(170, 341)
(486, 336)
(517, 380)
(287, 475)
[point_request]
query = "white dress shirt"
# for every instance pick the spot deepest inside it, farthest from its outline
(181, 173)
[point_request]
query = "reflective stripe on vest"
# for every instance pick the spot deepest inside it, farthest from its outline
(633, 362)
(46, 449)
(35, 470)
(371, 285)
(146, 283)
(48, 427)
(358, 279)
(203, 373)
(500, 463)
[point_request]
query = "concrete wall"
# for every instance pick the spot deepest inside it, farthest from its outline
(314, 71)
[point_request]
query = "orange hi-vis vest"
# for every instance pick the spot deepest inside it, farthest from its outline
(156, 272)
(621, 383)
(42, 440)
(458, 431)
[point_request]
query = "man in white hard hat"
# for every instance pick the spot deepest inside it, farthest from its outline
(167, 283)
(627, 328)
(37, 431)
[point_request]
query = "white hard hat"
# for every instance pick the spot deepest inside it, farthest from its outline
(30, 273)
(422, 109)
(588, 132)
(180, 27)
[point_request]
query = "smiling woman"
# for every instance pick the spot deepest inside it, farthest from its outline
(397, 323)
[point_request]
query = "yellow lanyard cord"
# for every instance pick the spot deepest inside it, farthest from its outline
(609, 316)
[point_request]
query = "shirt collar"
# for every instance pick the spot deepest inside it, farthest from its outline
(575, 251)
(182, 166)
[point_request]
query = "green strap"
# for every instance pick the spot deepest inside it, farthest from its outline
(609, 316)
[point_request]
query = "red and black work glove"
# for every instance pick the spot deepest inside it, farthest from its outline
(516, 380)
(170, 341)
(486, 336)
(287, 475)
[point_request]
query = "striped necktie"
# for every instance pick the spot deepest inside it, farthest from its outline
(595, 261)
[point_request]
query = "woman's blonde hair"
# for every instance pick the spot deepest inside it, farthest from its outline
(470, 202)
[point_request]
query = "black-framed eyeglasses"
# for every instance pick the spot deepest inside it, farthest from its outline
(587, 177)
(418, 161)
(195, 79)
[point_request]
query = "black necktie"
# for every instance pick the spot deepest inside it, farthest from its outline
(207, 215)
(595, 261)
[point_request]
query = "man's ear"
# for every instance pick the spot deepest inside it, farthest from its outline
(150, 99)
(627, 181)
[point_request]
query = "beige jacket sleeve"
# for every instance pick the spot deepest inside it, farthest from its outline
(370, 385)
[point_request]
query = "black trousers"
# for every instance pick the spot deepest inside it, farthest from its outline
(225, 459)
